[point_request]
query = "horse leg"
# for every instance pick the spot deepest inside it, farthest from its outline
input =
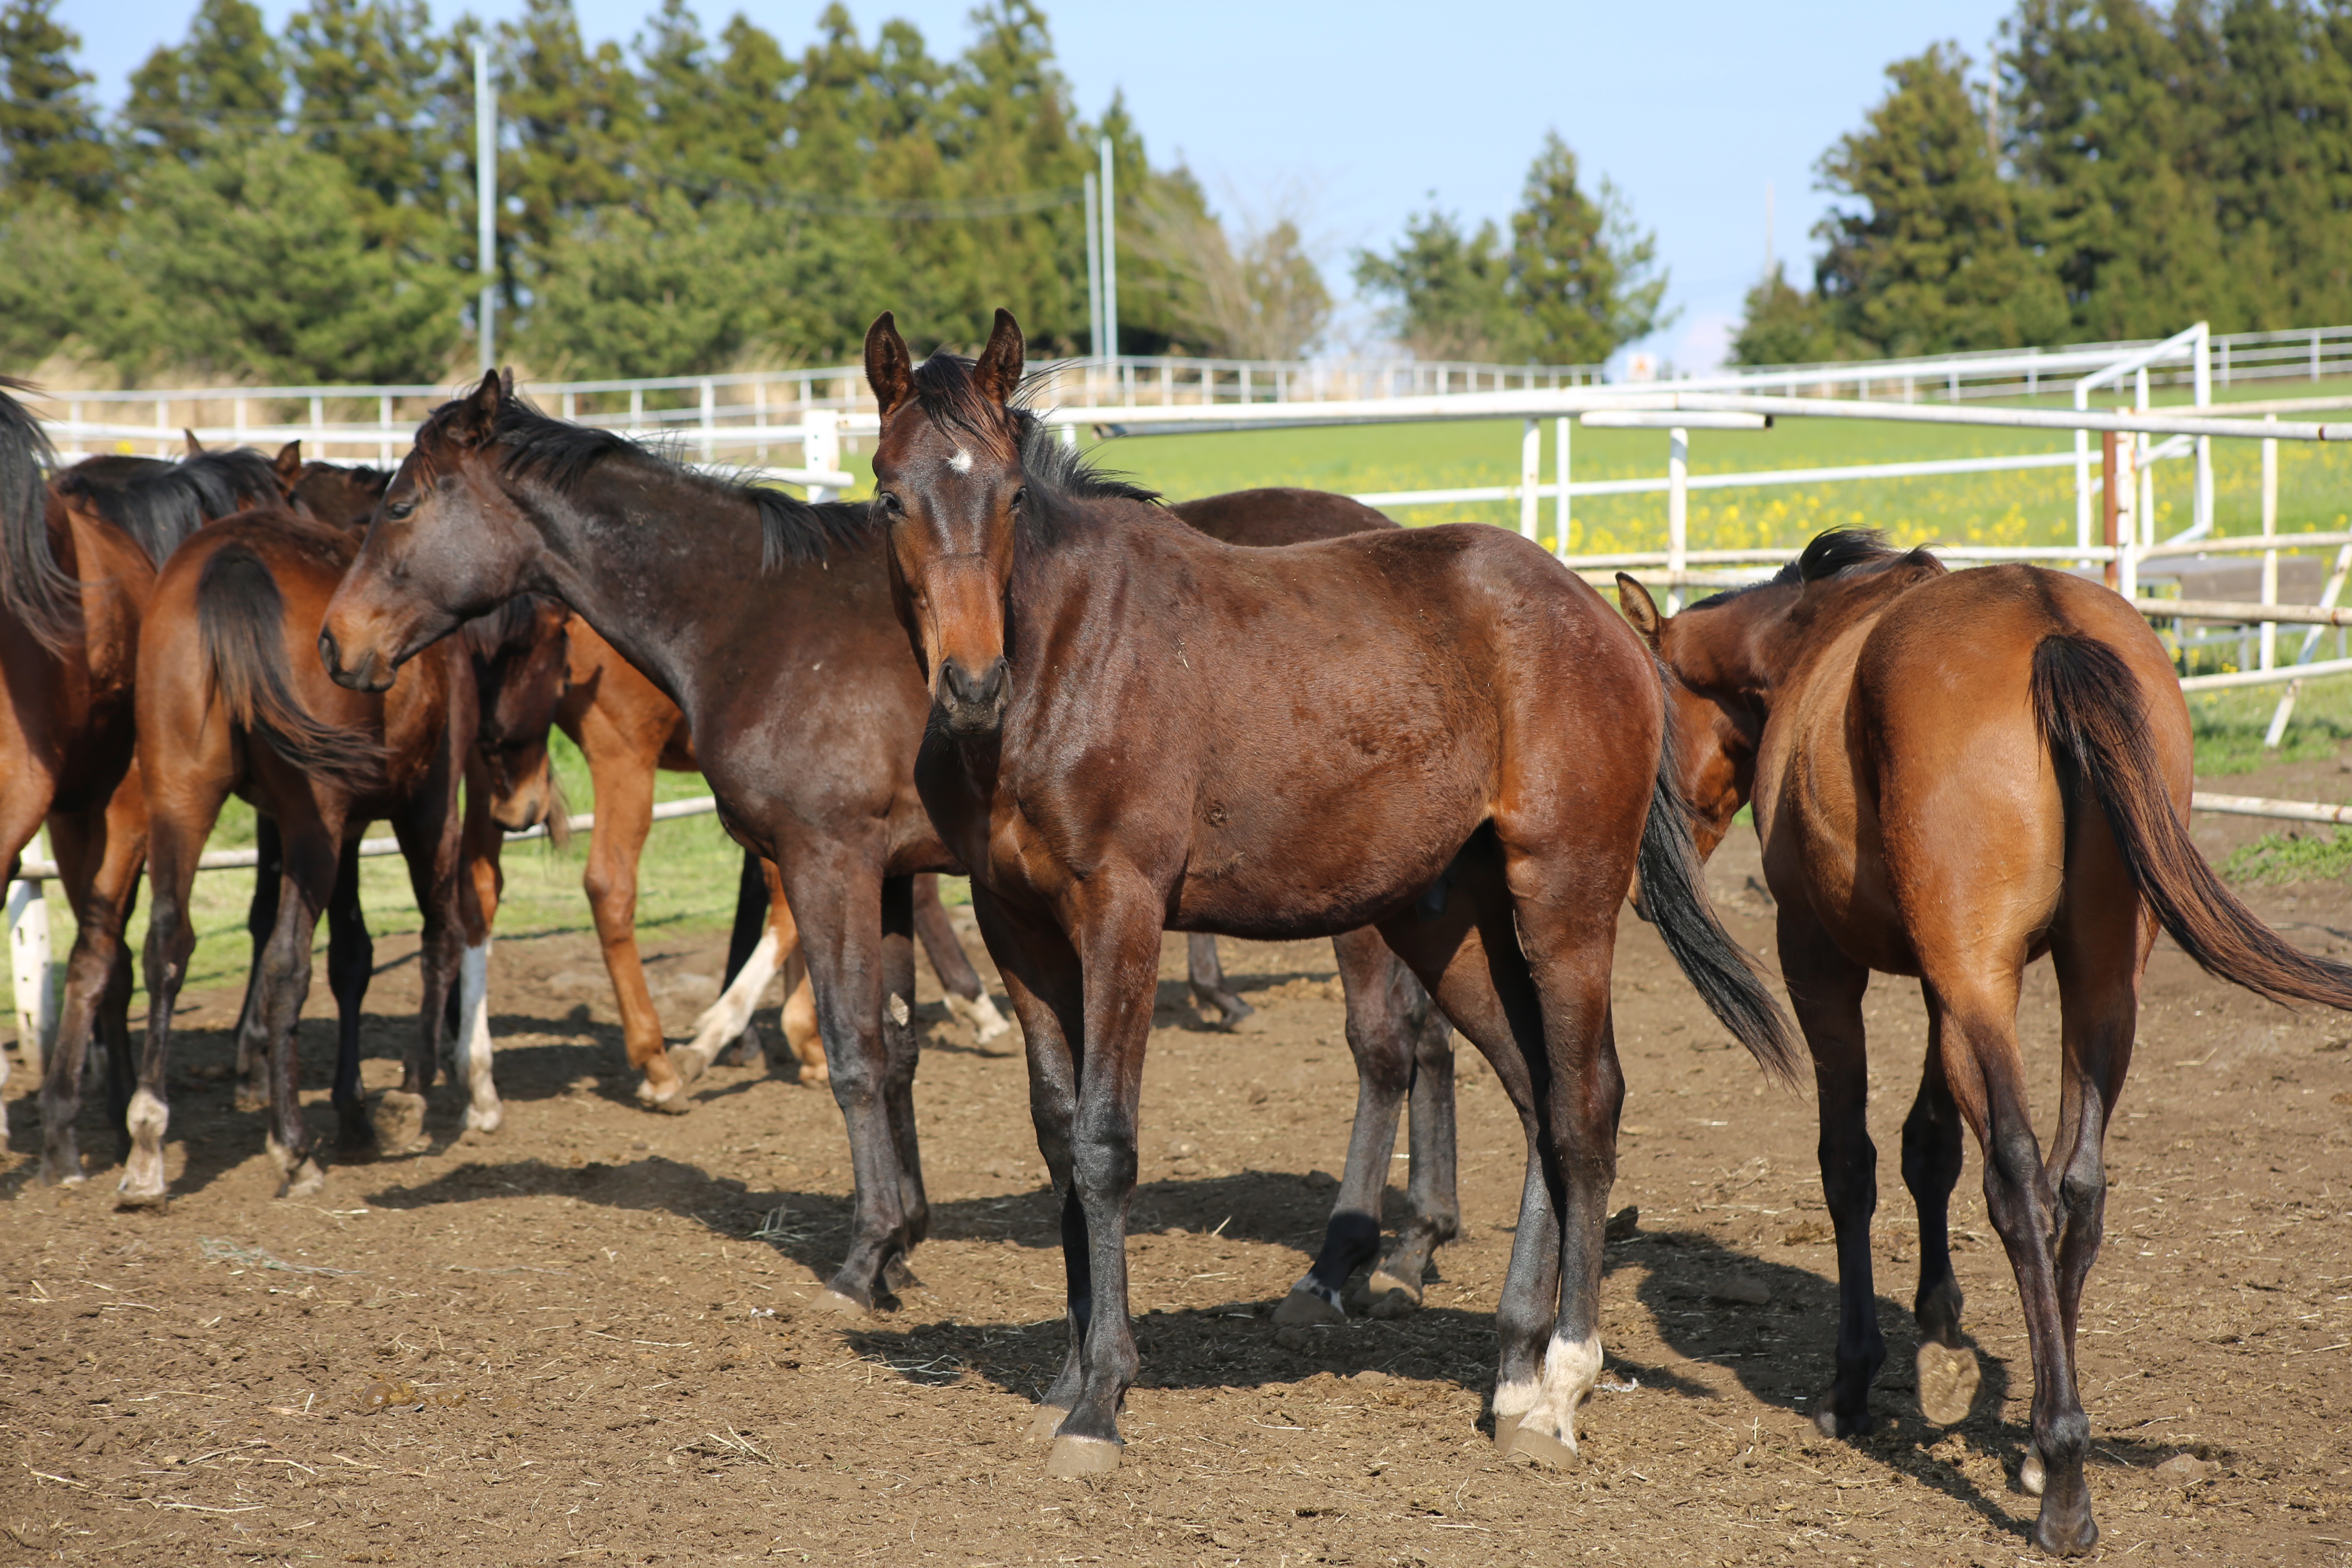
(1987, 1072)
(176, 834)
(312, 841)
(454, 952)
(28, 790)
(1118, 944)
(901, 1053)
(1378, 1038)
(100, 852)
(1461, 941)
(967, 998)
(744, 1047)
(260, 920)
(754, 952)
(350, 965)
(1043, 984)
(1826, 987)
(837, 892)
(1949, 1374)
(625, 804)
(1207, 978)
(1430, 1196)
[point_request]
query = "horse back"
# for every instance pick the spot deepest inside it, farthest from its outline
(1279, 515)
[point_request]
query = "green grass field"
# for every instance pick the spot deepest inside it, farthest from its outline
(689, 879)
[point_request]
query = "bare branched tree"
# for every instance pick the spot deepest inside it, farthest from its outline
(1257, 294)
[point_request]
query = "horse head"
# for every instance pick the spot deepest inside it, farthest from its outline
(948, 487)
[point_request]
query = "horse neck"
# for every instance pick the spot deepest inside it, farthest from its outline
(613, 553)
(1770, 641)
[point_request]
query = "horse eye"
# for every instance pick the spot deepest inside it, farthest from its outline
(1021, 498)
(398, 509)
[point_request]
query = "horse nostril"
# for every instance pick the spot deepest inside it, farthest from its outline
(329, 654)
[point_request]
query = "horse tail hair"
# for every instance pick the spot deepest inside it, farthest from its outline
(240, 625)
(1673, 896)
(32, 586)
(2087, 704)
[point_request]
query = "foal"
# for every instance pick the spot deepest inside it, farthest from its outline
(1440, 731)
(1954, 776)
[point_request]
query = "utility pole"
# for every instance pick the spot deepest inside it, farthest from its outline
(485, 203)
(1093, 269)
(1110, 258)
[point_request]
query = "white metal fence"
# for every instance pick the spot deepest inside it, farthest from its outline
(746, 418)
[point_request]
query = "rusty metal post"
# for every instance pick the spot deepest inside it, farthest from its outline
(2108, 502)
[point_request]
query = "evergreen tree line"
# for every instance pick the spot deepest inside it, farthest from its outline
(2119, 171)
(301, 207)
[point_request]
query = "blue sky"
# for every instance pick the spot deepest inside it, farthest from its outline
(1370, 107)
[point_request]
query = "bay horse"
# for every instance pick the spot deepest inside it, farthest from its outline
(1438, 732)
(78, 555)
(230, 700)
(1955, 774)
(768, 624)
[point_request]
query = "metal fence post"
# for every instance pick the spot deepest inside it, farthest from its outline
(1677, 515)
(1560, 505)
(821, 448)
(2201, 505)
(1530, 475)
(2270, 530)
(709, 420)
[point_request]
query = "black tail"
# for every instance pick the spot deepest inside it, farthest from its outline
(2087, 703)
(33, 587)
(1673, 894)
(241, 622)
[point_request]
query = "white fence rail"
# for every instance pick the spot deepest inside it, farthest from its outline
(742, 419)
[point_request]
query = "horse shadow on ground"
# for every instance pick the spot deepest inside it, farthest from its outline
(1773, 1326)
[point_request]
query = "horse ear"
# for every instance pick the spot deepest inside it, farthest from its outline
(889, 368)
(998, 372)
(195, 447)
(289, 464)
(1639, 609)
(478, 410)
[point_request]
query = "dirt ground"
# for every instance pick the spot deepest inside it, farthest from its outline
(596, 1325)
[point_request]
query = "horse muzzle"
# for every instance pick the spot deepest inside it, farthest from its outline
(372, 672)
(973, 705)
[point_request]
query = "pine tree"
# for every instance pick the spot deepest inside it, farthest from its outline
(2113, 127)
(371, 76)
(2282, 164)
(1449, 292)
(1782, 324)
(252, 262)
(577, 129)
(226, 77)
(49, 136)
(1926, 258)
(1585, 280)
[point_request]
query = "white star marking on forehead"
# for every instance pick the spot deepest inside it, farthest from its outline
(961, 461)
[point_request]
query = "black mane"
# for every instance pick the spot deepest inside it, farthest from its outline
(1829, 555)
(1047, 458)
(945, 391)
(32, 585)
(159, 503)
(561, 454)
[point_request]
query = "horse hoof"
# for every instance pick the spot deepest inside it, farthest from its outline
(2066, 1537)
(1541, 1447)
(1949, 1380)
(485, 1119)
(129, 1195)
(251, 1101)
(398, 1119)
(899, 1274)
(1083, 1456)
(2032, 1475)
(1391, 1296)
(669, 1097)
(688, 1064)
(305, 1180)
(1305, 1310)
(834, 1301)
(1250, 1023)
(1043, 1423)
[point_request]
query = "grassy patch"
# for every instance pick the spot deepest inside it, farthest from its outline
(2229, 726)
(2295, 856)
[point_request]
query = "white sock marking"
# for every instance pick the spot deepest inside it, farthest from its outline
(727, 1017)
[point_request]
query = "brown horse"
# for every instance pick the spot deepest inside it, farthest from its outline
(1439, 731)
(77, 562)
(768, 624)
(230, 700)
(1954, 774)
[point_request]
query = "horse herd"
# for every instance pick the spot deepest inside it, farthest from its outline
(1272, 714)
